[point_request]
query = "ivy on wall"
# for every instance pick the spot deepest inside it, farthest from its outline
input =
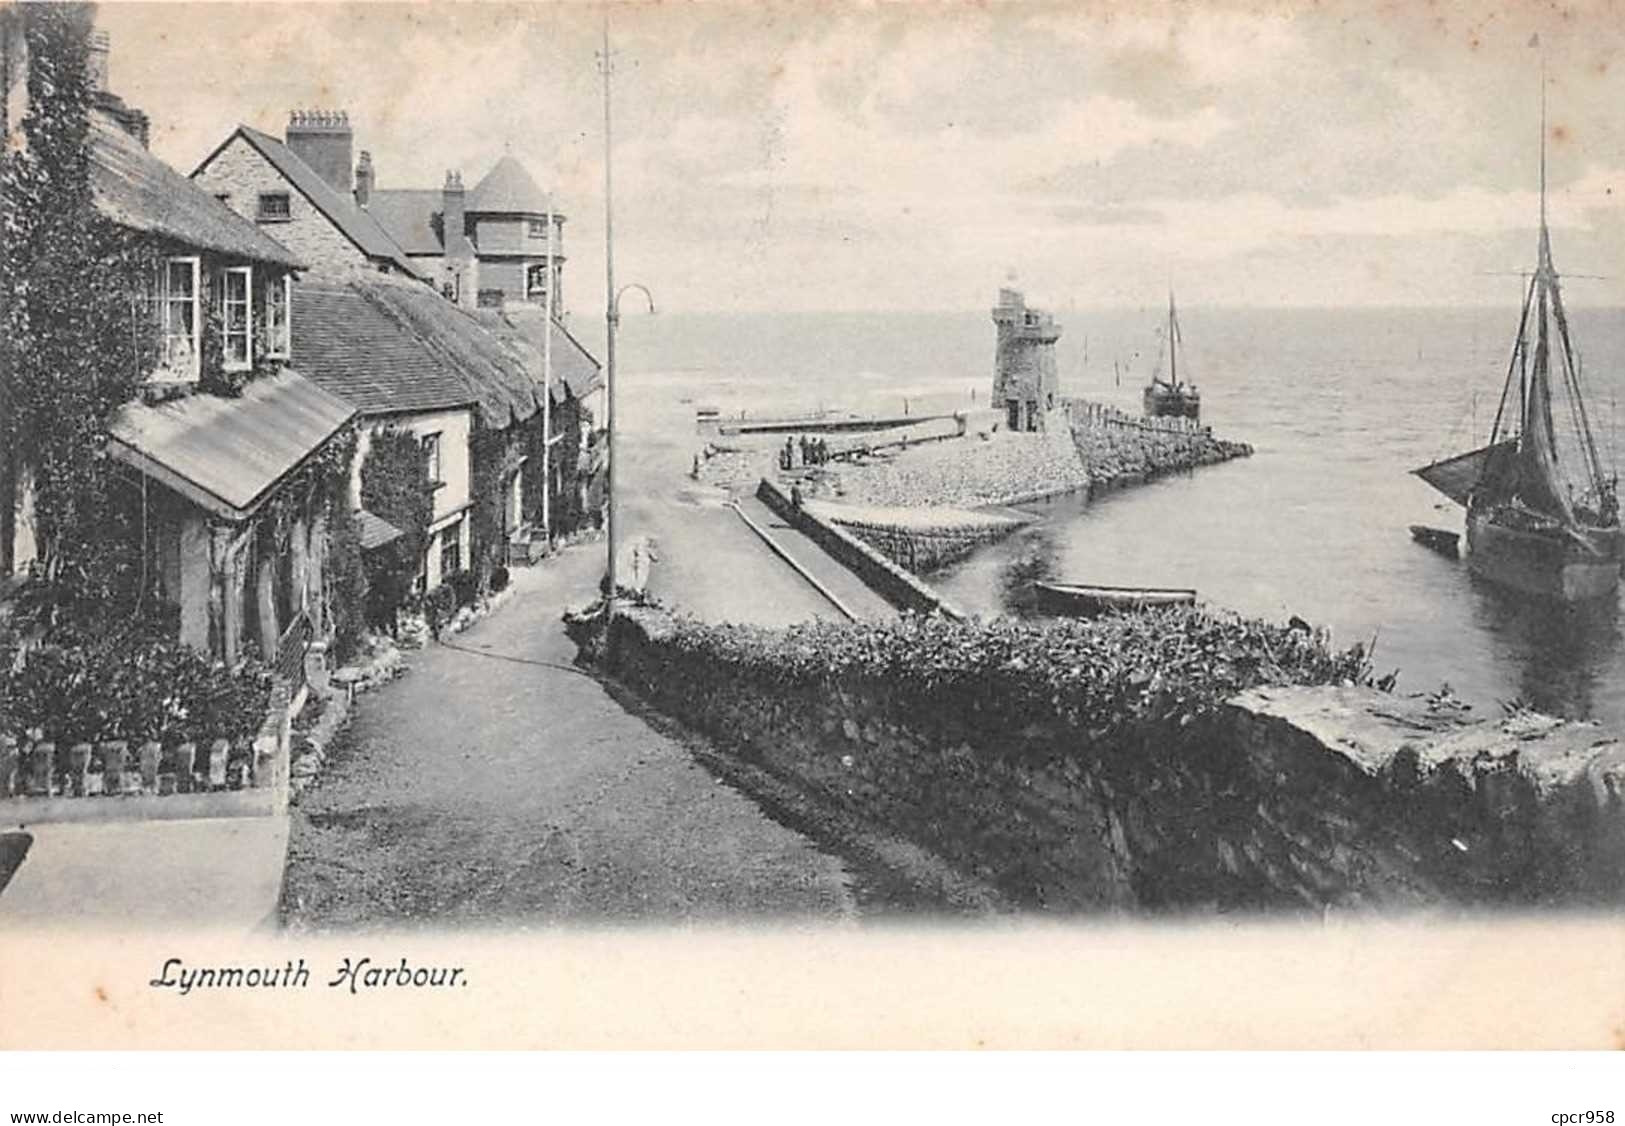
(395, 486)
(75, 325)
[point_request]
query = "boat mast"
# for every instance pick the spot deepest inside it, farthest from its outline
(1173, 342)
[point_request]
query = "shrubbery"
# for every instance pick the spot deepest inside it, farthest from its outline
(1165, 667)
(129, 687)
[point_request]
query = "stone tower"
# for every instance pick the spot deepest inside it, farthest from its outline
(1025, 383)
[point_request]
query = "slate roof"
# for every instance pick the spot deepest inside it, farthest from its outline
(507, 188)
(407, 215)
(135, 189)
(574, 368)
(493, 369)
(375, 530)
(356, 349)
(227, 455)
(341, 210)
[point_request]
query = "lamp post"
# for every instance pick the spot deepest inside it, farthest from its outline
(612, 318)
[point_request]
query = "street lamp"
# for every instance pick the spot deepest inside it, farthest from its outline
(614, 320)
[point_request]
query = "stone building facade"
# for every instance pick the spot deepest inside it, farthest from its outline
(1025, 381)
(298, 190)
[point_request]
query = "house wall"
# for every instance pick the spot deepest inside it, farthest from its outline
(192, 574)
(240, 170)
(451, 499)
(508, 275)
(25, 546)
(505, 235)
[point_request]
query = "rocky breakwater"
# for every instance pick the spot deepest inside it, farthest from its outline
(987, 467)
(1117, 448)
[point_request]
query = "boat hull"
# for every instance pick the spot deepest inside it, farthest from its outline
(1547, 564)
(1089, 602)
(1161, 402)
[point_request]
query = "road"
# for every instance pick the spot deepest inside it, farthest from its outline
(496, 785)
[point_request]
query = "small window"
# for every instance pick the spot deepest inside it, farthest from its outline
(274, 207)
(431, 450)
(451, 551)
(178, 313)
(279, 317)
(237, 317)
(538, 228)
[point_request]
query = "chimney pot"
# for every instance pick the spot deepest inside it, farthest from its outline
(323, 140)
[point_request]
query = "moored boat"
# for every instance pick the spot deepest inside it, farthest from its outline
(1170, 398)
(1542, 511)
(1087, 601)
(1437, 539)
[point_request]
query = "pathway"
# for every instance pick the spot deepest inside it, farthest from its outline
(832, 576)
(494, 784)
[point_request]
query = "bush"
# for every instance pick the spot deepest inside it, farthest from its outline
(465, 587)
(438, 607)
(499, 578)
(1168, 667)
(133, 688)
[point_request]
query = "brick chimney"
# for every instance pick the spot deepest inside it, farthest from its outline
(452, 217)
(322, 139)
(363, 178)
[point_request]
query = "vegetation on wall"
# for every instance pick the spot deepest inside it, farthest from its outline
(76, 333)
(395, 486)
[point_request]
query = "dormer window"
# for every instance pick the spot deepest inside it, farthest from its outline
(237, 309)
(279, 317)
(275, 207)
(179, 314)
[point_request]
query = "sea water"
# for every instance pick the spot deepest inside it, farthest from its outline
(1339, 404)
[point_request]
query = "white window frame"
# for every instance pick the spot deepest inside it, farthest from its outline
(280, 349)
(433, 451)
(166, 304)
(246, 333)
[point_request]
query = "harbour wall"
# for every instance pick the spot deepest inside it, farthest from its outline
(923, 550)
(878, 573)
(1284, 799)
(1119, 448)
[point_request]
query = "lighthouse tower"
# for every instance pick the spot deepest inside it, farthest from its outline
(1024, 378)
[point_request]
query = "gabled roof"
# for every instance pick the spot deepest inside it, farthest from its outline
(135, 189)
(228, 455)
(494, 371)
(407, 215)
(355, 349)
(575, 372)
(507, 188)
(342, 211)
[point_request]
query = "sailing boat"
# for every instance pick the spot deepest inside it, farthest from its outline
(1541, 519)
(1170, 397)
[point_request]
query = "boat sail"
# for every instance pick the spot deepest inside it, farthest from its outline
(1169, 397)
(1542, 514)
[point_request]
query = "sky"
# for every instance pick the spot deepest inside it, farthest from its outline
(827, 156)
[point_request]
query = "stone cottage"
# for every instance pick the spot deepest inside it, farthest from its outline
(299, 190)
(233, 530)
(469, 386)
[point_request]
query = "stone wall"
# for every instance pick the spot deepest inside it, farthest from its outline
(1119, 448)
(921, 550)
(878, 573)
(1294, 800)
(117, 781)
(241, 173)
